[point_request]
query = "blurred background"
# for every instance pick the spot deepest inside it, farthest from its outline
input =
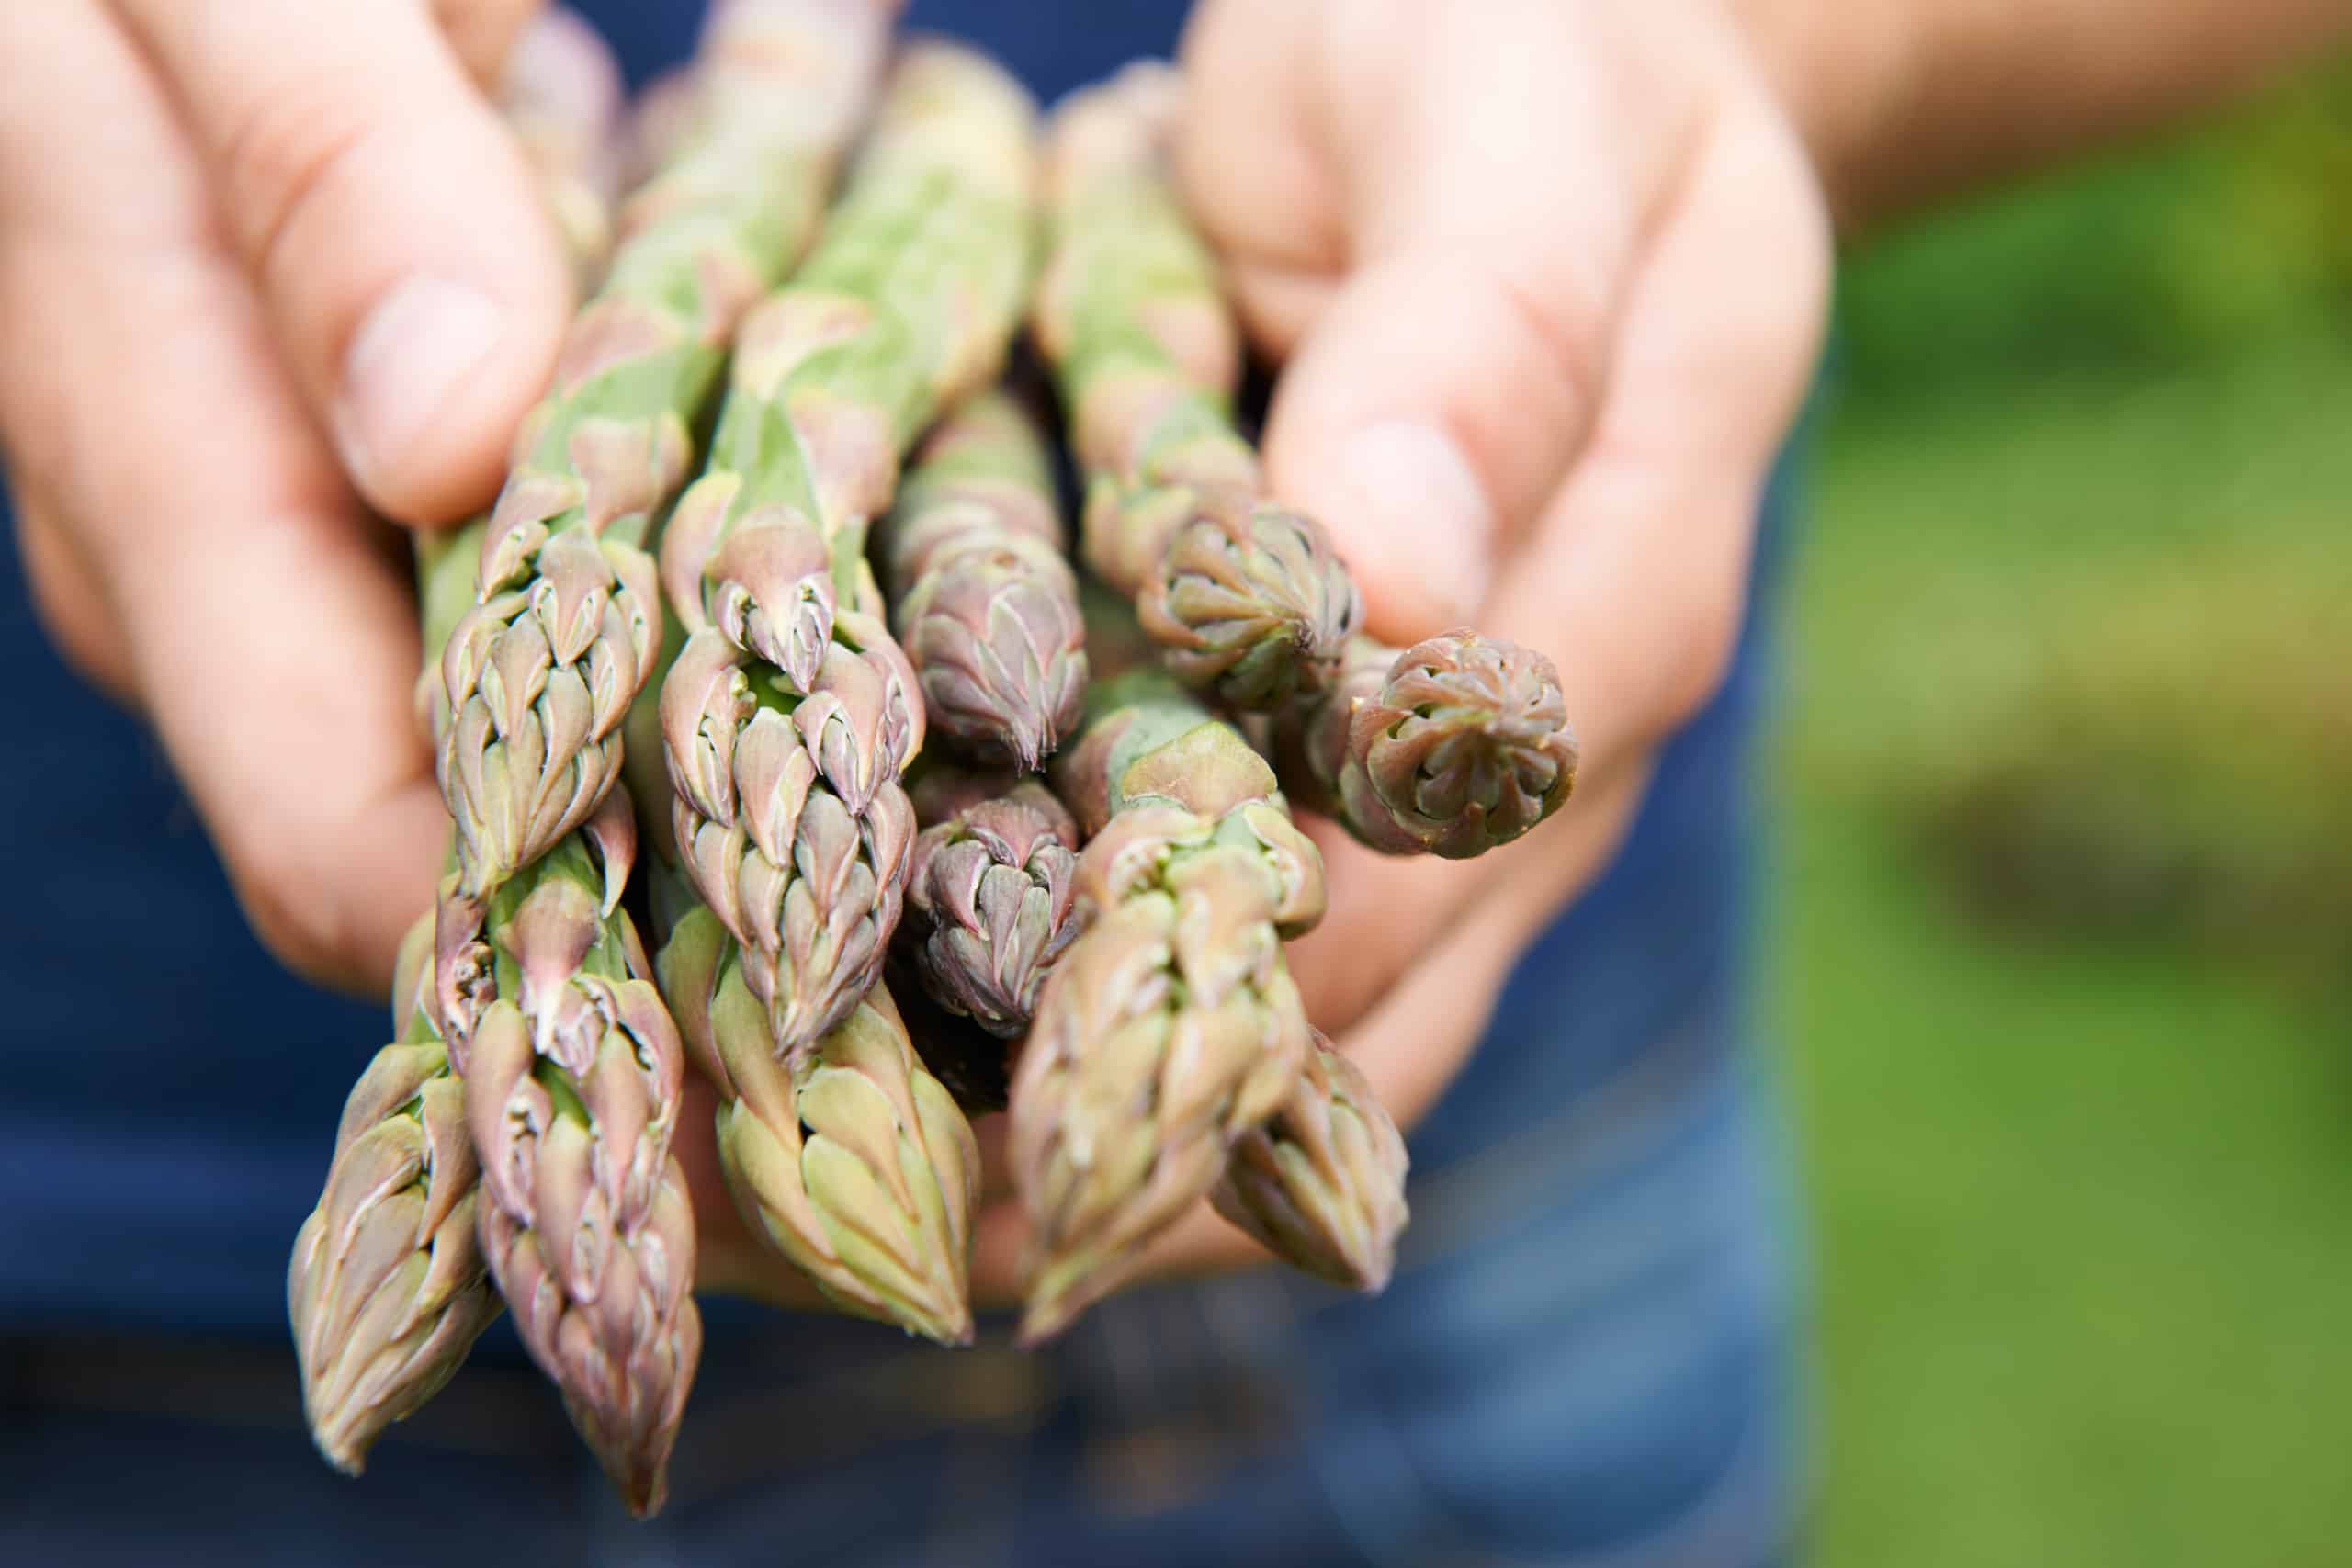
(2064, 944)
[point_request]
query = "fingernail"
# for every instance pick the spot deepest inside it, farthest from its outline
(1423, 528)
(418, 346)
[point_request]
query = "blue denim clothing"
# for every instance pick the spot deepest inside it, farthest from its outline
(1587, 1354)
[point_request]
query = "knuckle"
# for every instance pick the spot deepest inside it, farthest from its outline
(481, 33)
(1569, 328)
(291, 144)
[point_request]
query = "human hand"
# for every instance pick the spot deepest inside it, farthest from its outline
(1547, 281)
(261, 272)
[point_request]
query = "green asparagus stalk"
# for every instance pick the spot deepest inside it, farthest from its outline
(386, 1289)
(573, 1071)
(1170, 1027)
(1452, 747)
(527, 989)
(851, 1159)
(981, 594)
(1246, 597)
(790, 713)
(608, 1314)
(1321, 1185)
(912, 1270)
(992, 899)
(541, 671)
(572, 1075)
(561, 95)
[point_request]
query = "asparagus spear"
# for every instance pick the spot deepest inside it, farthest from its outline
(992, 906)
(992, 893)
(1322, 1184)
(1171, 1026)
(980, 593)
(904, 1262)
(573, 1073)
(561, 93)
(1452, 747)
(791, 712)
(1244, 596)
(386, 1289)
(541, 671)
(851, 1159)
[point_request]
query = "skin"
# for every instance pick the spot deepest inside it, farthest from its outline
(1547, 279)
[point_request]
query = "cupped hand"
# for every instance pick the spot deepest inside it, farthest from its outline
(1547, 281)
(261, 276)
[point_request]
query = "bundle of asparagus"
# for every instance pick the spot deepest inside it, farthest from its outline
(1098, 949)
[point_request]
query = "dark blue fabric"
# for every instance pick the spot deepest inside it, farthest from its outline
(1053, 45)
(1585, 1356)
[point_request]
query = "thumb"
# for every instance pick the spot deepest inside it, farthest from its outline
(1421, 419)
(412, 279)
(1493, 200)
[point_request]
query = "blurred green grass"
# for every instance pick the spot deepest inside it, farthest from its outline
(2066, 935)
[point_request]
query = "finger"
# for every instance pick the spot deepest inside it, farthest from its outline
(1417, 1038)
(1388, 915)
(1635, 580)
(1249, 148)
(1497, 196)
(272, 646)
(69, 598)
(1278, 304)
(1199, 1242)
(481, 33)
(412, 279)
